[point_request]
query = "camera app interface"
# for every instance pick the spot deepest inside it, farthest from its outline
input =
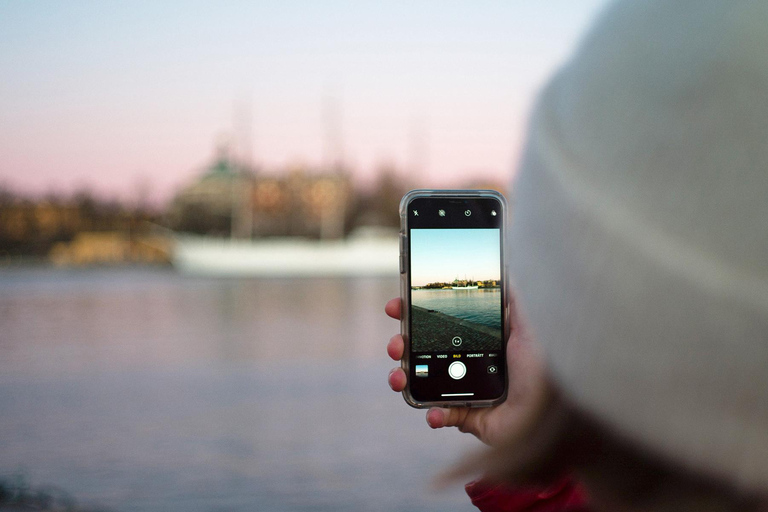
(456, 289)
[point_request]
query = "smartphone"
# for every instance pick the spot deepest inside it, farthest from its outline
(453, 288)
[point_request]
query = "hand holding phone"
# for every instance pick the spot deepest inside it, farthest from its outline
(454, 297)
(528, 394)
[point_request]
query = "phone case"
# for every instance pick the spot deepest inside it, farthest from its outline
(405, 296)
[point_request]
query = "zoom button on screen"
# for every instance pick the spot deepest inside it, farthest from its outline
(457, 370)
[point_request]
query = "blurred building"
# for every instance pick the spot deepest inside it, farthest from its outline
(302, 203)
(231, 200)
(210, 204)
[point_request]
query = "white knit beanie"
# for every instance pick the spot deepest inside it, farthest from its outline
(639, 246)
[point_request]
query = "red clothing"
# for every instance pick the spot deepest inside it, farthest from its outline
(564, 496)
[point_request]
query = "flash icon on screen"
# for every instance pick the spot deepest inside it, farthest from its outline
(441, 213)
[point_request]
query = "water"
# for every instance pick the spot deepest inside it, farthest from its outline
(140, 390)
(479, 306)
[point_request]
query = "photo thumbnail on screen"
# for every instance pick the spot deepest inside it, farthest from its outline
(456, 290)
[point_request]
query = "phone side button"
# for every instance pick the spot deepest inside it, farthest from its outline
(402, 254)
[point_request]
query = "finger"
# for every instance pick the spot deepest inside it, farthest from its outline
(395, 347)
(447, 417)
(397, 379)
(393, 308)
(435, 418)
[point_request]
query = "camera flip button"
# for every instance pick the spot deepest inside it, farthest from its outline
(457, 370)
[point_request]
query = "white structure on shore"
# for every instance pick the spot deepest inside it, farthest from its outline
(368, 253)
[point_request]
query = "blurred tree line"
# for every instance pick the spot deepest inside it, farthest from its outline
(16, 493)
(31, 227)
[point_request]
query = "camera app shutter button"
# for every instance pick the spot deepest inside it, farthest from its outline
(457, 370)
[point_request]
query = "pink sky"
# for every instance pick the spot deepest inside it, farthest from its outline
(127, 98)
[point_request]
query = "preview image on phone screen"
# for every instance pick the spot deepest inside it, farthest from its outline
(456, 290)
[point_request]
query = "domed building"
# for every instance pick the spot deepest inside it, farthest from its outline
(218, 203)
(231, 200)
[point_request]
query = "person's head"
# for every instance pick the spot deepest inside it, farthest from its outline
(639, 249)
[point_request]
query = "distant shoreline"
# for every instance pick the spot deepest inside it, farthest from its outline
(497, 287)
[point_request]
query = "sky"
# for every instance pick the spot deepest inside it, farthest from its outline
(130, 99)
(442, 255)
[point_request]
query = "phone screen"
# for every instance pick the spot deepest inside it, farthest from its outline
(456, 298)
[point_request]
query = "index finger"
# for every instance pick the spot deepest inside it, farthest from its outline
(393, 308)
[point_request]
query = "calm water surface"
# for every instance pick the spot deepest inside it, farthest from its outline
(480, 306)
(146, 390)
